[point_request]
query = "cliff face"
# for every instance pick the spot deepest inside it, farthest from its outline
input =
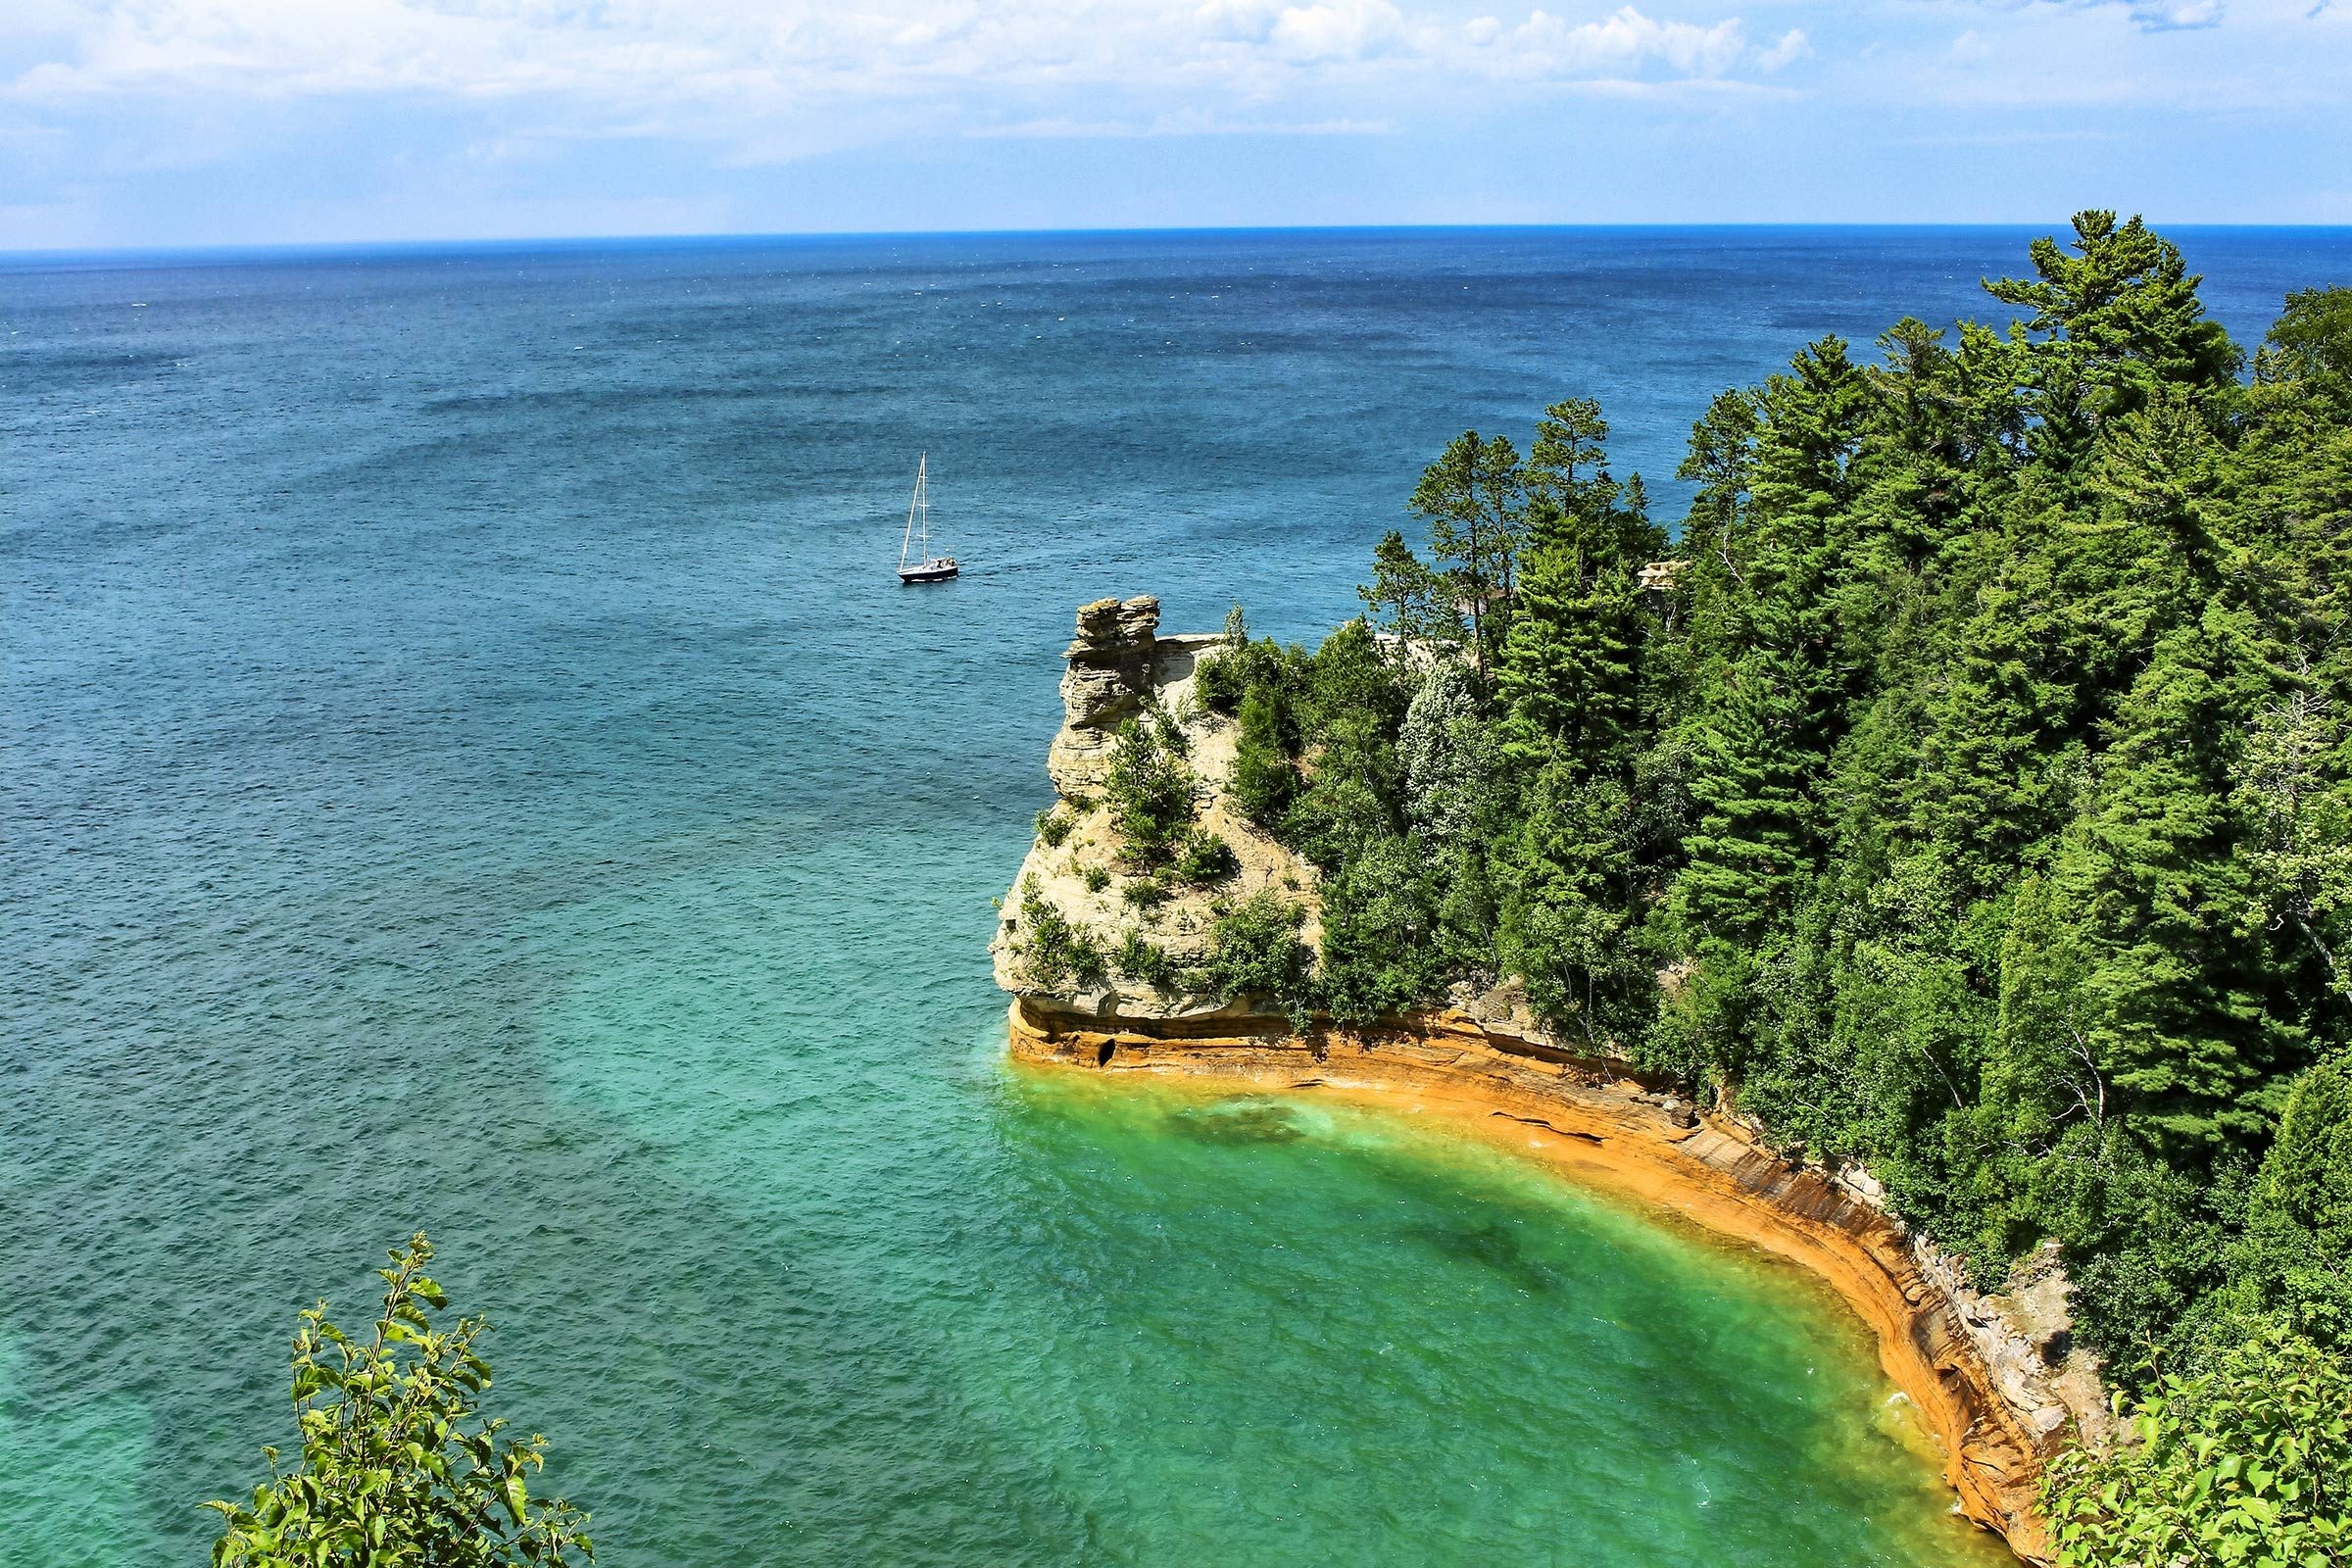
(1995, 1378)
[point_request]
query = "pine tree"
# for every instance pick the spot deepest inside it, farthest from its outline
(1264, 779)
(1748, 772)
(1569, 682)
(1475, 498)
(1994, 764)
(2153, 875)
(1410, 598)
(1450, 763)
(1565, 921)
(2121, 317)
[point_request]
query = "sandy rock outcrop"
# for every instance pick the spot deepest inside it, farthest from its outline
(1111, 676)
(1120, 668)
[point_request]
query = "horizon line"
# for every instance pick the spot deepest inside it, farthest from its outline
(250, 248)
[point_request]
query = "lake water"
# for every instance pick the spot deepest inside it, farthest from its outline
(468, 765)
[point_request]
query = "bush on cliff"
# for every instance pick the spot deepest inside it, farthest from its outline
(1053, 955)
(399, 1464)
(1149, 790)
(1204, 860)
(1255, 951)
(1265, 776)
(1138, 959)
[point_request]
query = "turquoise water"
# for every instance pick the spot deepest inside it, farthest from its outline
(467, 767)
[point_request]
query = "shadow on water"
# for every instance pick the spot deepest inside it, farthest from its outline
(1247, 1120)
(1492, 1245)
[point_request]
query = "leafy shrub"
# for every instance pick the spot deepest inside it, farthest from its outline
(1146, 893)
(1054, 955)
(1380, 921)
(1054, 826)
(1255, 951)
(1220, 682)
(1149, 790)
(2248, 1461)
(1140, 960)
(1229, 674)
(1097, 877)
(399, 1465)
(1264, 779)
(1205, 860)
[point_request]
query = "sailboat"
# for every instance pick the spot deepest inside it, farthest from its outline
(921, 565)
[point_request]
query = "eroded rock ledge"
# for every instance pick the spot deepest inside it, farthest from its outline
(1995, 1377)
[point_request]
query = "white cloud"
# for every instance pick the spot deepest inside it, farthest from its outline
(1182, 124)
(639, 53)
(1792, 46)
(1622, 43)
(2178, 14)
(1343, 30)
(2149, 16)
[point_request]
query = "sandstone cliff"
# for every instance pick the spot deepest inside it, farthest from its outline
(1119, 667)
(1995, 1377)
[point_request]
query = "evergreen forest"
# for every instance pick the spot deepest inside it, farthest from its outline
(1963, 789)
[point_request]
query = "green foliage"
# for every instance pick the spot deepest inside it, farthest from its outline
(1570, 678)
(1265, 778)
(1474, 498)
(1146, 893)
(399, 1464)
(1149, 790)
(1255, 951)
(1452, 784)
(2124, 317)
(1566, 924)
(1234, 670)
(2295, 1258)
(1054, 826)
(1410, 603)
(1204, 860)
(1141, 960)
(1220, 682)
(2248, 1461)
(1097, 877)
(1383, 948)
(1054, 954)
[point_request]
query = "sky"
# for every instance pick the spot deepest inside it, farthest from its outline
(173, 123)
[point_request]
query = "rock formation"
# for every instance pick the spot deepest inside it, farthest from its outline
(1118, 669)
(1112, 674)
(1995, 1377)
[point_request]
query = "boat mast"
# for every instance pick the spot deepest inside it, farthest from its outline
(921, 503)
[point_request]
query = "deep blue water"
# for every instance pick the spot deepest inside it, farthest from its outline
(468, 765)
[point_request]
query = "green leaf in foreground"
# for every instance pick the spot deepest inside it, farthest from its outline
(399, 1465)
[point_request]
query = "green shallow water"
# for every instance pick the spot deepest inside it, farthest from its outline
(1042, 1316)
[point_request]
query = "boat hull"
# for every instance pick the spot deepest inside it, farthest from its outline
(926, 573)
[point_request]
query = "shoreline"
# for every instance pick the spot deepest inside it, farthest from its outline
(1599, 1126)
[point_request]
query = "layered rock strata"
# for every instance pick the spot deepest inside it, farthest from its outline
(1995, 1378)
(1112, 674)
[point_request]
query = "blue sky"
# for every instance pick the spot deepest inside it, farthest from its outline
(226, 122)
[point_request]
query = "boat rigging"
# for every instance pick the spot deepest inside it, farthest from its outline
(916, 563)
